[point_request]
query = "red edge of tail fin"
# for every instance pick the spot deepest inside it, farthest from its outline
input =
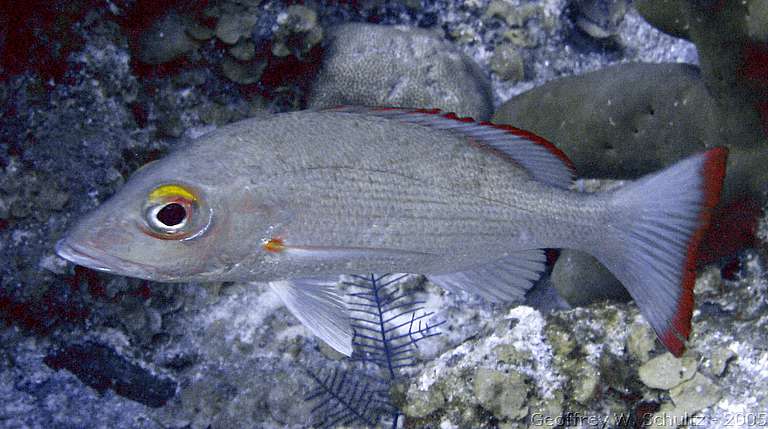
(713, 173)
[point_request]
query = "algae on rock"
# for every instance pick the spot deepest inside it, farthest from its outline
(600, 19)
(28, 194)
(507, 63)
(297, 32)
(666, 371)
(503, 394)
(167, 39)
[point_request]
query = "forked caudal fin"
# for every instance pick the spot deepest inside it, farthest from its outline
(663, 217)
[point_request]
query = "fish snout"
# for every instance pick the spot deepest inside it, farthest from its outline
(99, 260)
(77, 256)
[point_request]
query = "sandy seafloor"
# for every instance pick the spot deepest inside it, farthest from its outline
(82, 106)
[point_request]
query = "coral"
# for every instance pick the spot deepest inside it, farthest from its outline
(399, 66)
(234, 25)
(733, 58)
(521, 22)
(345, 398)
(666, 371)
(616, 130)
(166, 40)
(619, 122)
(243, 51)
(601, 362)
(640, 342)
(507, 63)
(388, 323)
(28, 193)
(503, 394)
(42, 33)
(264, 48)
(610, 129)
(297, 32)
(599, 19)
(478, 373)
(242, 73)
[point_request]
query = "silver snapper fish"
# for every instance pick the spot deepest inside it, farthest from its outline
(299, 198)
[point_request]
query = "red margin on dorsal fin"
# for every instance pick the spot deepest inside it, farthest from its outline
(538, 140)
(425, 111)
(535, 138)
(383, 108)
(455, 117)
(713, 173)
(508, 128)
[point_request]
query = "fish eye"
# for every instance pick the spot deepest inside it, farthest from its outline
(172, 214)
(169, 212)
(169, 218)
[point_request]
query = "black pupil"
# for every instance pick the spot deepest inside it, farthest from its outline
(172, 214)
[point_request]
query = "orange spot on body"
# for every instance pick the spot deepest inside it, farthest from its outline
(274, 245)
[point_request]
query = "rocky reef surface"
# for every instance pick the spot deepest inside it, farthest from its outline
(600, 366)
(90, 91)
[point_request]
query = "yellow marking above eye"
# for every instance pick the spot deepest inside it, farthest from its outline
(172, 191)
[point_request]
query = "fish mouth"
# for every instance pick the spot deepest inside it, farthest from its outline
(98, 261)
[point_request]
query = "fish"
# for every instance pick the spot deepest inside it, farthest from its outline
(297, 199)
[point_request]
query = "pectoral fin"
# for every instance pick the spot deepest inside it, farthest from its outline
(506, 279)
(317, 305)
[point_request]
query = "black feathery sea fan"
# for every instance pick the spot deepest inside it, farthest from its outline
(379, 316)
(388, 324)
(344, 397)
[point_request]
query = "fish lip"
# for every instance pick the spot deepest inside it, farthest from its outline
(98, 261)
(78, 257)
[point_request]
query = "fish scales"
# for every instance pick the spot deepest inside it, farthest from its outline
(418, 225)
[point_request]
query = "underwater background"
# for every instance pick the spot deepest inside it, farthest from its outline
(91, 90)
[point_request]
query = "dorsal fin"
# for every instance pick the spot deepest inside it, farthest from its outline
(540, 158)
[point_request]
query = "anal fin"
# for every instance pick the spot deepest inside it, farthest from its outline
(506, 279)
(318, 306)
